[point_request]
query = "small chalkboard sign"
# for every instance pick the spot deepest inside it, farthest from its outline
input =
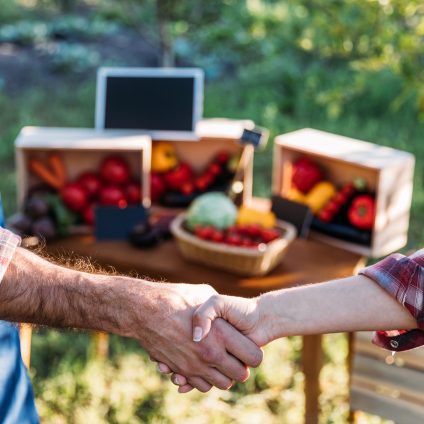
(256, 136)
(114, 223)
(296, 213)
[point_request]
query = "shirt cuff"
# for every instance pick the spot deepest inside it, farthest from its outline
(8, 244)
(403, 278)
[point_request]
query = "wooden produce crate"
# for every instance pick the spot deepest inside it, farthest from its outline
(216, 135)
(387, 172)
(81, 150)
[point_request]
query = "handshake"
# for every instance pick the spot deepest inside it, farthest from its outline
(207, 339)
(203, 339)
(227, 332)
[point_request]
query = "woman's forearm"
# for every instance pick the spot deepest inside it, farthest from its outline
(350, 304)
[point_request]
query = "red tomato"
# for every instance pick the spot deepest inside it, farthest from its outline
(157, 187)
(222, 157)
(269, 234)
(74, 197)
(175, 178)
(217, 236)
(203, 182)
(205, 233)
(112, 196)
(361, 213)
(115, 170)
(91, 183)
(233, 239)
(88, 214)
(133, 193)
(214, 169)
(187, 188)
(341, 198)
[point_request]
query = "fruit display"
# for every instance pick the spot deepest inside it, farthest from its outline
(247, 249)
(112, 184)
(213, 217)
(347, 212)
(174, 182)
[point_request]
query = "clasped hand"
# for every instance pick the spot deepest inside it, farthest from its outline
(243, 314)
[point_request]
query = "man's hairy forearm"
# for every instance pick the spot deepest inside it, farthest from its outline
(37, 291)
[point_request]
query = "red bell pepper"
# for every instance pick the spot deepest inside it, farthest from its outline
(305, 174)
(361, 212)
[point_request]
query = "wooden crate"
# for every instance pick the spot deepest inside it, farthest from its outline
(215, 135)
(387, 171)
(82, 150)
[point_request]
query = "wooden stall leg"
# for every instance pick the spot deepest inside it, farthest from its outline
(311, 364)
(25, 334)
(100, 345)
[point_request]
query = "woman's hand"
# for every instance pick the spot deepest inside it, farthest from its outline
(242, 313)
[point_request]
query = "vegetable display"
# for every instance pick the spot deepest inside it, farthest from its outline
(110, 185)
(174, 182)
(347, 212)
(213, 217)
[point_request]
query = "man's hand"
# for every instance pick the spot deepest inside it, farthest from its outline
(166, 335)
(159, 315)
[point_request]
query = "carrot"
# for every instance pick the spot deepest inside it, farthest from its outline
(58, 168)
(39, 169)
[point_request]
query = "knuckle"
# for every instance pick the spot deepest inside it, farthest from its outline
(210, 355)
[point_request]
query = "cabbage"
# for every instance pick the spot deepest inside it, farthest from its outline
(211, 209)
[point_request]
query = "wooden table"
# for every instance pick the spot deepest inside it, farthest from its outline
(306, 261)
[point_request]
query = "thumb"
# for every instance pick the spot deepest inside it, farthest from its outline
(204, 315)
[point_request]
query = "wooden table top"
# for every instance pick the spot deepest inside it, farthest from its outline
(306, 261)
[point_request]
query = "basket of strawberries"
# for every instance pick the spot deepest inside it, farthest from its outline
(242, 241)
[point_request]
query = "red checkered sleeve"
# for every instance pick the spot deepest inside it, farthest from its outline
(8, 244)
(403, 278)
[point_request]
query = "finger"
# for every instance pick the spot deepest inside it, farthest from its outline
(233, 368)
(185, 389)
(178, 379)
(163, 368)
(238, 345)
(217, 379)
(199, 384)
(204, 315)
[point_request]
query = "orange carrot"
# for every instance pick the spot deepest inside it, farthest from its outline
(58, 168)
(39, 169)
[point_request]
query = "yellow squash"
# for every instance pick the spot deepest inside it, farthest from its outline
(319, 195)
(247, 216)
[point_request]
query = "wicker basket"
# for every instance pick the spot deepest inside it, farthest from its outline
(238, 260)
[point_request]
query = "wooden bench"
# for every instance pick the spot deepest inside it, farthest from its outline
(385, 385)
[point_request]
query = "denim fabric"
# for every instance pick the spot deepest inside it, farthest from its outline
(17, 404)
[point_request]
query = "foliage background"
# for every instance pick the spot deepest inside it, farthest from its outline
(353, 67)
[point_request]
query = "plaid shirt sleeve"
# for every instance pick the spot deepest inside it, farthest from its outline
(8, 244)
(403, 278)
